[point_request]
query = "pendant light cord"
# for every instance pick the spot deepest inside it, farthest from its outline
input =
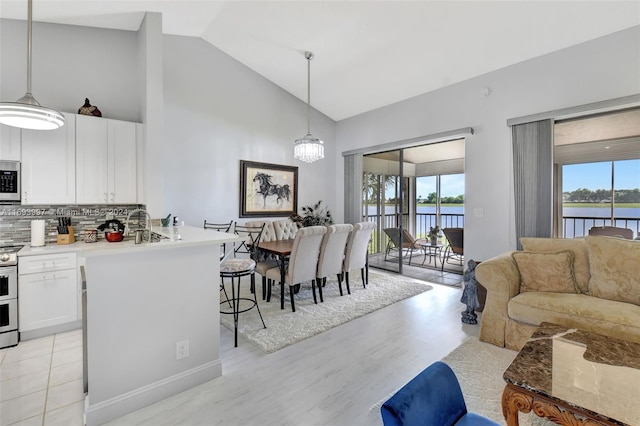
(29, 30)
(309, 56)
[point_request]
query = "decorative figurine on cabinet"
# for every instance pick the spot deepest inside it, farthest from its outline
(470, 294)
(88, 109)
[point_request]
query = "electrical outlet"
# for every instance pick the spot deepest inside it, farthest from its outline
(182, 349)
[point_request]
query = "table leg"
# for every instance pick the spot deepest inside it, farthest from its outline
(513, 402)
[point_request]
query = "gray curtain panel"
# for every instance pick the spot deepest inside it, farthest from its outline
(533, 178)
(353, 188)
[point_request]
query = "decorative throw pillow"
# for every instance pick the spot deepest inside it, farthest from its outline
(552, 272)
(615, 269)
(580, 255)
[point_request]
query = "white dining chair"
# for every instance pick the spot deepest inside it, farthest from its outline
(355, 256)
(332, 251)
(303, 261)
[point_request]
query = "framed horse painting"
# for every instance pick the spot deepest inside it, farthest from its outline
(268, 190)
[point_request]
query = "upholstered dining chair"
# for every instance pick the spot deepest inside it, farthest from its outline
(612, 231)
(455, 246)
(355, 256)
(332, 251)
(433, 397)
(285, 229)
(303, 261)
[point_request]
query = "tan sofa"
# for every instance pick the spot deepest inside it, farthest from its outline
(591, 283)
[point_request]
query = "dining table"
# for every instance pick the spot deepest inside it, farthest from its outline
(282, 250)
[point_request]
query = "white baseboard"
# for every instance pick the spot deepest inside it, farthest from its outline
(120, 405)
(48, 331)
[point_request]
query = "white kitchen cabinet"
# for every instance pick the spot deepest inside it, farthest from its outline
(48, 291)
(105, 161)
(49, 165)
(9, 143)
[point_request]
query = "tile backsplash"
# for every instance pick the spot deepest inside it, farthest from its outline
(15, 220)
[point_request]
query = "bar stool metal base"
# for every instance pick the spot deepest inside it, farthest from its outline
(235, 298)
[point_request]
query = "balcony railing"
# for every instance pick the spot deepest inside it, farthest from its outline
(423, 222)
(578, 226)
(573, 226)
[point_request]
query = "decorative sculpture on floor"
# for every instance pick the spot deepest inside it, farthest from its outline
(470, 294)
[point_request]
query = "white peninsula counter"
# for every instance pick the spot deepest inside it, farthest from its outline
(152, 319)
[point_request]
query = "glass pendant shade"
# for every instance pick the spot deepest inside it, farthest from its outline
(26, 112)
(308, 149)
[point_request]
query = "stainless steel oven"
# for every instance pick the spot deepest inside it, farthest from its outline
(9, 296)
(10, 182)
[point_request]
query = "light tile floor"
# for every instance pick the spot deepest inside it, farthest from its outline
(41, 381)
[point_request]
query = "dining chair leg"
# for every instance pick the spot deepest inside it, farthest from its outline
(264, 288)
(293, 305)
(346, 280)
(364, 284)
(340, 276)
(321, 284)
(313, 290)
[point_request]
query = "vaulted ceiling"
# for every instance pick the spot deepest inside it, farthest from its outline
(368, 54)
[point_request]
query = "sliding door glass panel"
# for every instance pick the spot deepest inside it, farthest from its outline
(586, 197)
(427, 199)
(452, 201)
(626, 198)
(383, 201)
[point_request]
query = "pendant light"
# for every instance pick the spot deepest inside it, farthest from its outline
(308, 148)
(26, 112)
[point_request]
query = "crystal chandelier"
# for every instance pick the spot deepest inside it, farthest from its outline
(308, 148)
(26, 112)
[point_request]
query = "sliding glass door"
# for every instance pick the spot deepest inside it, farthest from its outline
(385, 202)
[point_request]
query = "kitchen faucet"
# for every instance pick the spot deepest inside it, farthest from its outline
(127, 230)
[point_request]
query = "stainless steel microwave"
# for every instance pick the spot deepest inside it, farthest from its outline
(10, 182)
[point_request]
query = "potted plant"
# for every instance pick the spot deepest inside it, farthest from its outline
(434, 234)
(315, 215)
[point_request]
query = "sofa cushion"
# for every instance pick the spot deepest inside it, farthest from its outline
(616, 319)
(615, 269)
(580, 255)
(552, 272)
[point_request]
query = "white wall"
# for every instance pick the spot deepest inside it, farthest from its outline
(69, 64)
(218, 112)
(600, 69)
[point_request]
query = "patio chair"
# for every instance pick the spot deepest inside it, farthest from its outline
(455, 246)
(612, 231)
(409, 243)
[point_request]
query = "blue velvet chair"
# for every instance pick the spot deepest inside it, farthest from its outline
(432, 398)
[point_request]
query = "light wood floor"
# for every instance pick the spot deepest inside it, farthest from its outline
(333, 378)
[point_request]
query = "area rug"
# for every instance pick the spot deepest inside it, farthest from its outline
(479, 367)
(285, 327)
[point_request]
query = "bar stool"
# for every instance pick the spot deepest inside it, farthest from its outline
(237, 268)
(221, 227)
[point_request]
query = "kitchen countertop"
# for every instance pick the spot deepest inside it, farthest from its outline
(175, 236)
